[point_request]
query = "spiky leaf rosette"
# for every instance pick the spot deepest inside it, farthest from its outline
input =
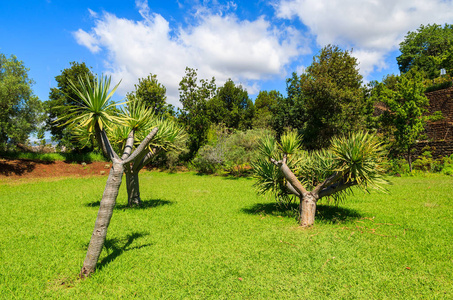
(95, 105)
(360, 156)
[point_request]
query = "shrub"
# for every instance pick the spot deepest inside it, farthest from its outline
(228, 153)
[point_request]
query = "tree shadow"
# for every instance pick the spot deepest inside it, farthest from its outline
(116, 247)
(335, 214)
(324, 213)
(146, 204)
(19, 167)
(273, 208)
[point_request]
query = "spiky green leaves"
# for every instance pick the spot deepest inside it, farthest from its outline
(359, 156)
(355, 159)
(95, 106)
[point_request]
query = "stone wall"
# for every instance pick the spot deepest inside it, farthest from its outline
(439, 133)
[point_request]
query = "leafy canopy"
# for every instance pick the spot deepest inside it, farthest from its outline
(428, 49)
(20, 109)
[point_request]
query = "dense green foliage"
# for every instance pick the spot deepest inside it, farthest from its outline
(266, 104)
(428, 49)
(20, 109)
(407, 105)
(220, 240)
(231, 107)
(61, 98)
(333, 97)
(153, 95)
(194, 114)
(228, 153)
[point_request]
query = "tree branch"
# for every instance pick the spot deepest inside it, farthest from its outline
(111, 153)
(291, 178)
(328, 182)
(335, 188)
(129, 144)
(291, 189)
(142, 146)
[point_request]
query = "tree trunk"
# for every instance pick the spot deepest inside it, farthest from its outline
(307, 210)
(133, 188)
(409, 159)
(103, 219)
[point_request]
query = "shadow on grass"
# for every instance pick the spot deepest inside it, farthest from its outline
(273, 208)
(116, 247)
(324, 213)
(145, 204)
(335, 214)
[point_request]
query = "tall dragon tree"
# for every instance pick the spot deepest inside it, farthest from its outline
(97, 117)
(288, 172)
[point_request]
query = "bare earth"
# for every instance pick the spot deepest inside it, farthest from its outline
(27, 169)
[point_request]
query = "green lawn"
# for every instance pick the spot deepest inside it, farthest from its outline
(206, 237)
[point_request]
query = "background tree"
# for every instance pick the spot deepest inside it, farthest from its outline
(60, 99)
(289, 112)
(405, 118)
(231, 106)
(193, 114)
(265, 105)
(20, 109)
(332, 95)
(428, 49)
(286, 171)
(153, 95)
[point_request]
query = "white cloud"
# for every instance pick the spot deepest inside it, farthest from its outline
(87, 40)
(372, 27)
(217, 45)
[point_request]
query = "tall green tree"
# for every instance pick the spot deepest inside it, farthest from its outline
(405, 117)
(231, 106)
(332, 95)
(193, 115)
(153, 95)
(289, 112)
(20, 109)
(429, 49)
(265, 105)
(60, 99)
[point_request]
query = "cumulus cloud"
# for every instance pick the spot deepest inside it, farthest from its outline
(217, 44)
(372, 27)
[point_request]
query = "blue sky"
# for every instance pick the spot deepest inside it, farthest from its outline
(255, 43)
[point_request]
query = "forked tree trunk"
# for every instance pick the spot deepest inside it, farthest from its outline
(307, 210)
(103, 219)
(133, 188)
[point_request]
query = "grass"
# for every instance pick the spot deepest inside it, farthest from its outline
(58, 156)
(203, 237)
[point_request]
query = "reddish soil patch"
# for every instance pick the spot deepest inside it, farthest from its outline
(17, 169)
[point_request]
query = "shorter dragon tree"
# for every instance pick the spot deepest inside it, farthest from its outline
(139, 121)
(286, 171)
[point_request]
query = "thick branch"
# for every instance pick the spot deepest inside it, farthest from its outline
(110, 152)
(335, 188)
(148, 157)
(291, 189)
(129, 144)
(289, 175)
(142, 146)
(328, 182)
